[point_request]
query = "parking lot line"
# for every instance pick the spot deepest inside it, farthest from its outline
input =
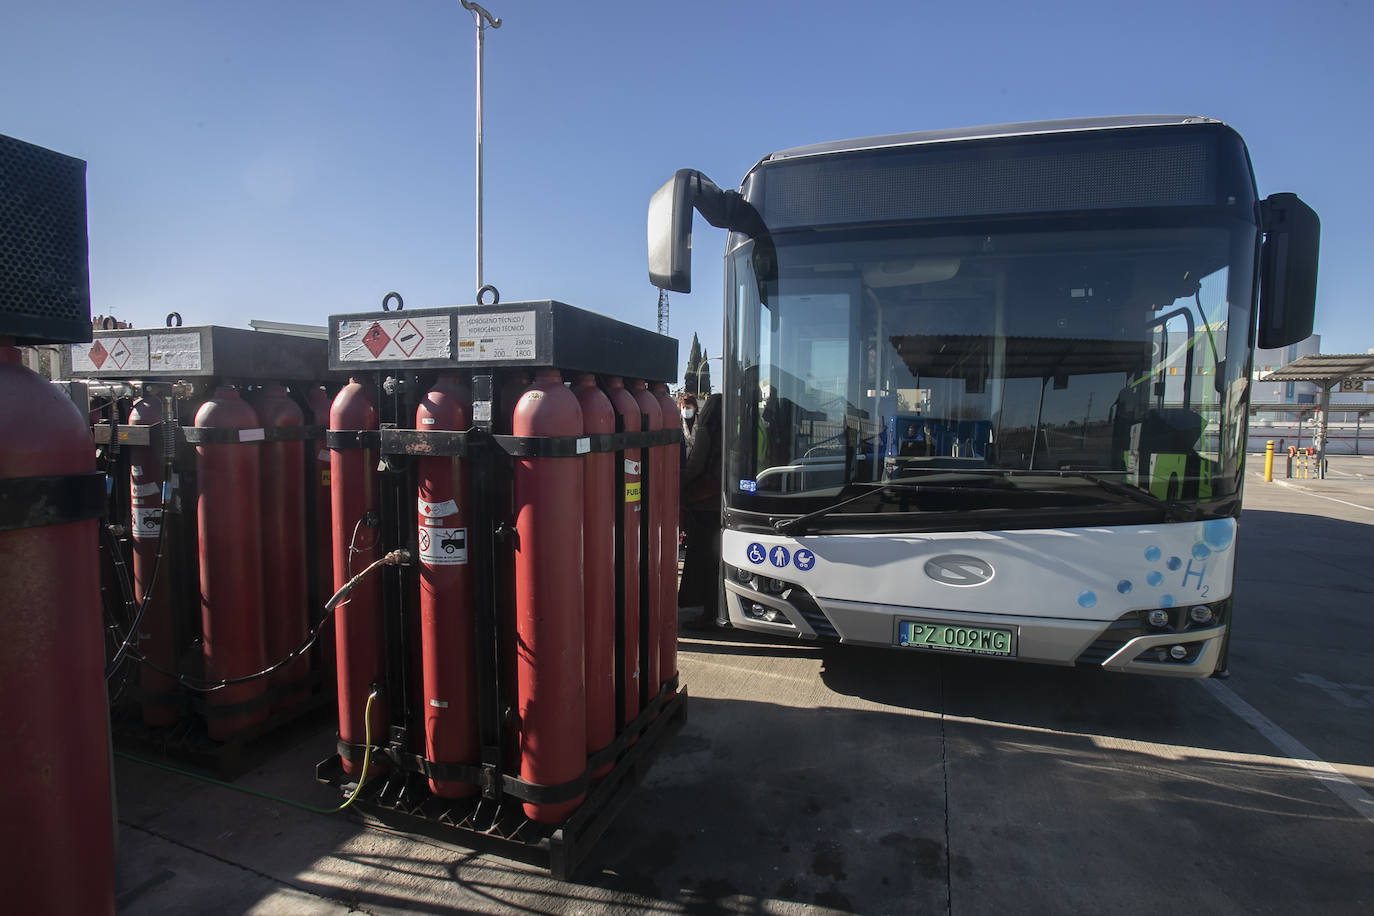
(1358, 800)
(1284, 483)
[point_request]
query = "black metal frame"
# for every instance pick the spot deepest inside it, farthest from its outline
(186, 741)
(493, 819)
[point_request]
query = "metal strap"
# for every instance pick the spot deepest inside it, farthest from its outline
(229, 435)
(352, 438)
(444, 443)
(37, 502)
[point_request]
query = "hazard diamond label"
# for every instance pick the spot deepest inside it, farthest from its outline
(125, 353)
(376, 339)
(409, 338)
(368, 340)
(119, 354)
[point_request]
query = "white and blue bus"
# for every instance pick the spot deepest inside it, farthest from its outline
(985, 390)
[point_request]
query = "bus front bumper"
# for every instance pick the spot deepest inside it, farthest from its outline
(1111, 645)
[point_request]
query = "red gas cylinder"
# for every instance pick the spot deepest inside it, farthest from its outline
(359, 648)
(286, 587)
(448, 655)
(628, 410)
(598, 565)
(53, 718)
(548, 598)
(228, 522)
(651, 594)
(667, 580)
(510, 385)
(156, 637)
(317, 399)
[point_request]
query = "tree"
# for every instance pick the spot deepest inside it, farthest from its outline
(697, 379)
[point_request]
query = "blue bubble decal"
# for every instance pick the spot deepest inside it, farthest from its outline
(1201, 551)
(1166, 600)
(1217, 533)
(1174, 563)
(1086, 599)
(1124, 586)
(1152, 554)
(1155, 577)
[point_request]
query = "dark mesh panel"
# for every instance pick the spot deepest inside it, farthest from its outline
(45, 292)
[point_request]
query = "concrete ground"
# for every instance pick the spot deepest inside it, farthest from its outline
(872, 781)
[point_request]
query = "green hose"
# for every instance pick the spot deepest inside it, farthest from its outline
(362, 776)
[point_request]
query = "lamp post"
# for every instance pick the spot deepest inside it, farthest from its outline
(482, 18)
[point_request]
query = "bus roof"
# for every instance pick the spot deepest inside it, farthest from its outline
(1024, 128)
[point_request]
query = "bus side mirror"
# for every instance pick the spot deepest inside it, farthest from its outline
(670, 233)
(670, 224)
(1288, 270)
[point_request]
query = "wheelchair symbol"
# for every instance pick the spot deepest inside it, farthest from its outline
(756, 553)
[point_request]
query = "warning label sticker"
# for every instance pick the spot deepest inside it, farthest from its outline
(443, 546)
(436, 510)
(368, 340)
(174, 352)
(147, 521)
(112, 354)
(496, 335)
(631, 492)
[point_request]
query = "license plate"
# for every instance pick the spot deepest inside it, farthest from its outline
(949, 637)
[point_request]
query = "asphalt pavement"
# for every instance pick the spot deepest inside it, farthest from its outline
(835, 779)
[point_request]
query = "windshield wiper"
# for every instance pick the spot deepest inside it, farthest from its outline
(799, 524)
(1173, 510)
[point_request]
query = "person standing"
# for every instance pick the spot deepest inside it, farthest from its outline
(699, 590)
(687, 406)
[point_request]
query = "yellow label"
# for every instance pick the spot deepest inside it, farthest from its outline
(324, 477)
(123, 435)
(631, 492)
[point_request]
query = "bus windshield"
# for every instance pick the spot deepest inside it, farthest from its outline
(1041, 359)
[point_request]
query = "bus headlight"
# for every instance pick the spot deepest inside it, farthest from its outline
(1200, 613)
(1158, 618)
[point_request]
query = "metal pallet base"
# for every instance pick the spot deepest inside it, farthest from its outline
(501, 828)
(186, 741)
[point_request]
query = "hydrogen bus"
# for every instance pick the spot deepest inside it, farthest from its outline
(985, 390)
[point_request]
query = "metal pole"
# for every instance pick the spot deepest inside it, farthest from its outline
(478, 15)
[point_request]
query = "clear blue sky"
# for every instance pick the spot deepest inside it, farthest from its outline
(298, 158)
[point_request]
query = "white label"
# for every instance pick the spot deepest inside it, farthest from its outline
(632, 467)
(439, 704)
(584, 446)
(147, 520)
(174, 351)
(481, 411)
(496, 335)
(251, 435)
(368, 340)
(111, 354)
(443, 546)
(323, 455)
(145, 489)
(437, 510)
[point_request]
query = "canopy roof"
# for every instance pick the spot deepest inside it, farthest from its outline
(1326, 369)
